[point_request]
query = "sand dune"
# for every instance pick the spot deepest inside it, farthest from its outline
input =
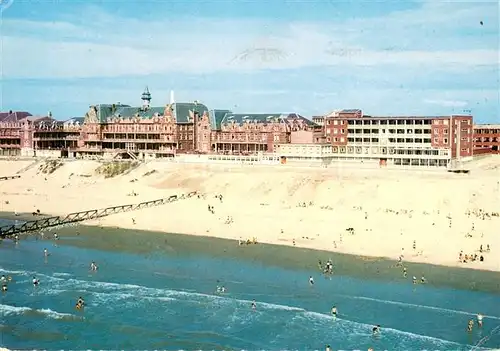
(387, 209)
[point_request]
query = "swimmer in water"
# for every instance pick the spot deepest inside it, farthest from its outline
(328, 348)
(405, 273)
(311, 280)
(80, 301)
(376, 329)
(422, 280)
(414, 280)
(3, 279)
(334, 311)
(35, 281)
(45, 252)
(4, 287)
(470, 325)
(56, 237)
(479, 320)
(254, 305)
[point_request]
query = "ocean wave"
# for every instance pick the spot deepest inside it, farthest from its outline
(352, 327)
(61, 274)
(137, 292)
(8, 310)
(7, 271)
(399, 303)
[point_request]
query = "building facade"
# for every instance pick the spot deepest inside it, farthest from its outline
(487, 138)
(401, 141)
(13, 132)
(142, 132)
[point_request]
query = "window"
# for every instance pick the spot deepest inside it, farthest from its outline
(335, 131)
(445, 122)
(328, 131)
(336, 139)
(343, 131)
(328, 139)
(445, 131)
(436, 131)
(445, 140)
(335, 122)
(342, 140)
(436, 140)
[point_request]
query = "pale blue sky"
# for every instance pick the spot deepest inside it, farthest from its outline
(311, 57)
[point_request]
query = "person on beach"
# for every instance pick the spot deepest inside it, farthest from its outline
(479, 320)
(470, 325)
(334, 311)
(311, 280)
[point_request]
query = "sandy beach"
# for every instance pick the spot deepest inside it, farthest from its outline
(370, 212)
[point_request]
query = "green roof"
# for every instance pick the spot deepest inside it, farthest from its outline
(182, 110)
(216, 117)
(241, 118)
(127, 112)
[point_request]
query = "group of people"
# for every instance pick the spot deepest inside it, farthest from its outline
(465, 258)
(327, 268)
(35, 281)
(5, 281)
(470, 325)
(247, 242)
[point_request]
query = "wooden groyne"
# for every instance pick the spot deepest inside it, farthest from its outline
(10, 177)
(40, 224)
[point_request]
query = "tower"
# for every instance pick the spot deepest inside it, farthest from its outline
(172, 100)
(146, 98)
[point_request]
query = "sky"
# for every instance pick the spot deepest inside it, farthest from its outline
(250, 56)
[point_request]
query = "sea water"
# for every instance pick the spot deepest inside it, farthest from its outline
(161, 300)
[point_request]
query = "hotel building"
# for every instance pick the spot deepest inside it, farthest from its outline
(486, 138)
(114, 131)
(402, 141)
